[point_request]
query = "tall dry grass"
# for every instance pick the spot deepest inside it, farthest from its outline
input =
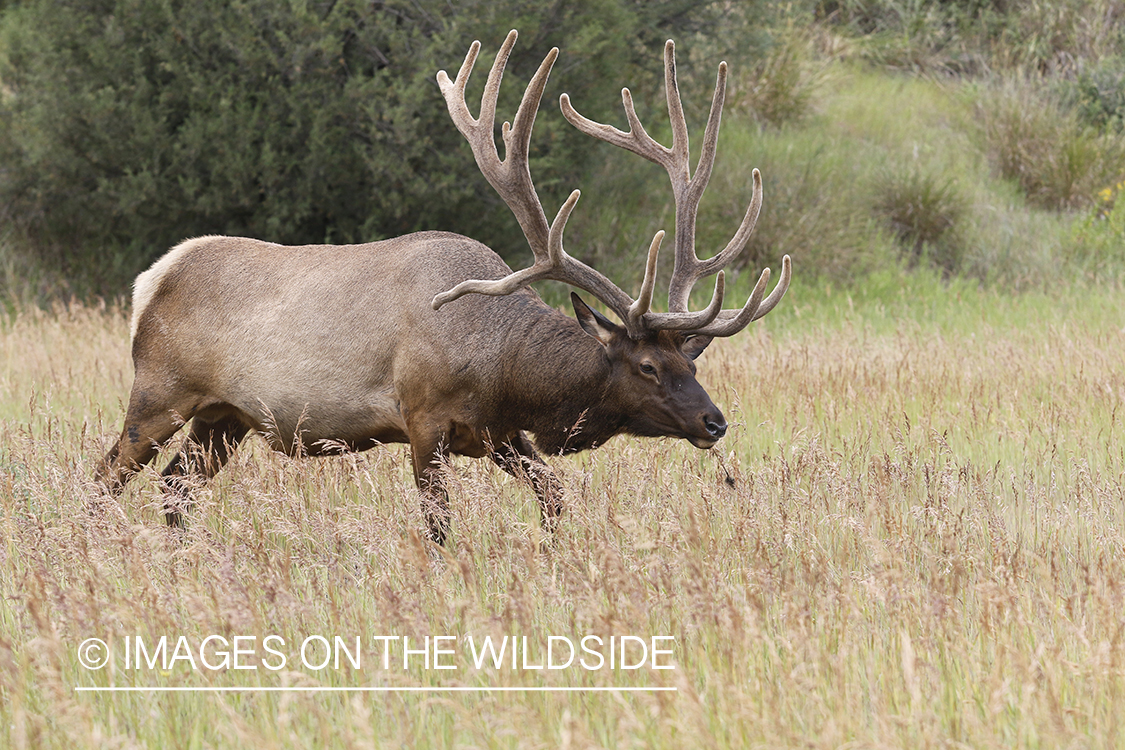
(912, 537)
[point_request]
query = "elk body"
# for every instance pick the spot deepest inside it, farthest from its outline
(430, 338)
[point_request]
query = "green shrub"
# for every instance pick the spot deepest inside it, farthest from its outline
(130, 124)
(782, 86)
(1099, 94)
(978, 36)
(1031, 139)
(1098, 237)
(1056, 35)
(924, 211)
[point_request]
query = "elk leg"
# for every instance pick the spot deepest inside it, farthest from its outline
(519, 458)
(429, 453)
(148, 425)
(208, 448)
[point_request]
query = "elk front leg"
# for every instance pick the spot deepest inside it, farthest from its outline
(207, 450)
(429, 451)
(518, 457)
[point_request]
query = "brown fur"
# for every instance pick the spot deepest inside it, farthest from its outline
(341, 344)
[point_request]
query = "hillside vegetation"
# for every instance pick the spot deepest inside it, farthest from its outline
(983, 139)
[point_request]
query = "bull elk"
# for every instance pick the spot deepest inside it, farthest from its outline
(430, 338)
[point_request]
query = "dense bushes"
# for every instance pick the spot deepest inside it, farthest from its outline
(127, 125)
(978, 36)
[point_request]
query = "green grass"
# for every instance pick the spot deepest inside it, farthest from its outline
(911, 536)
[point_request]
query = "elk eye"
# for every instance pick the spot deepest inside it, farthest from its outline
(648, 369)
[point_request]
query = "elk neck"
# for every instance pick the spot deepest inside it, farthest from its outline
(559, 382)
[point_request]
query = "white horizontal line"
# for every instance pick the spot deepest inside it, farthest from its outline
(329, 689)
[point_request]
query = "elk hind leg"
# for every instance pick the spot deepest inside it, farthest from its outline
(149, 423)
(519, 458)
(208, 448)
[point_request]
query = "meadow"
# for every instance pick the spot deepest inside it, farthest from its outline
(911, 537)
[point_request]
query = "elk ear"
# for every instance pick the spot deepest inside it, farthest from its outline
(593, 322)
(694, 345)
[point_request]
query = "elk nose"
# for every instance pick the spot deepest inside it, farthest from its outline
(715, 424)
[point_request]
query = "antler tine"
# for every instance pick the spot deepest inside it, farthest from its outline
(640, 308)
(690, 321)
(736, 320)
(694, 269)
(710, 136)
(680, 145)
(543, 267)
(779, 291)
(673, 321)
(509, 177)
(462, 79)
(636, 140)
(730, 322)
(562, 267)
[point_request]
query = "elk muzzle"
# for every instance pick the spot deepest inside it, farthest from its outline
(714, 427)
